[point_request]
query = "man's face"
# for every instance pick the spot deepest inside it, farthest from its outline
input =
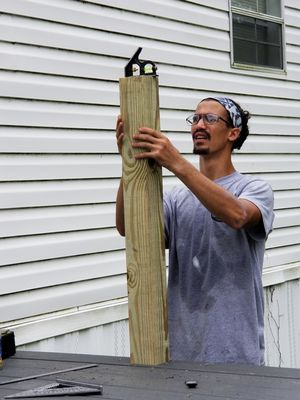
(208, 138)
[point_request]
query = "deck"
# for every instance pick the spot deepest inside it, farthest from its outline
(122, 381)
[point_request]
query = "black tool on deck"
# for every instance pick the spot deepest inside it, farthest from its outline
(136, 67)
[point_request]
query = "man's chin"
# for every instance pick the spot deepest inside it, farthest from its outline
(200, 151)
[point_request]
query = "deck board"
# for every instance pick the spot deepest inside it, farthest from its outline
(122, 381)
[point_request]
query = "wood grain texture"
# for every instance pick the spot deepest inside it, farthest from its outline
(145, 251)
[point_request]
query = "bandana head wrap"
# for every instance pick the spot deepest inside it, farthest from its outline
(229, 105)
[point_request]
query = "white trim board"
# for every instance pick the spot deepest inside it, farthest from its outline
(281, 274)
(55, 324)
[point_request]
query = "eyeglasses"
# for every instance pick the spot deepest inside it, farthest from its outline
(209, 119)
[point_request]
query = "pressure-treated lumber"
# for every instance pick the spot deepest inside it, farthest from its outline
(144, 226)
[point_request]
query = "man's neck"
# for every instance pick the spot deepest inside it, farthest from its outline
(215, 169)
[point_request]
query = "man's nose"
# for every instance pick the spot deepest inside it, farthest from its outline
(200, 123)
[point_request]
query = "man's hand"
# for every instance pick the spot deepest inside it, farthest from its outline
(119, 133)
(157, 146)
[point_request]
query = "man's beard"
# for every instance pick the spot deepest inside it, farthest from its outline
(200, 151)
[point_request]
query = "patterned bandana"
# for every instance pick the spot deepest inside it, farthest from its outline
(229, 105)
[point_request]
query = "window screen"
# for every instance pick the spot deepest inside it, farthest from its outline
(257, 33)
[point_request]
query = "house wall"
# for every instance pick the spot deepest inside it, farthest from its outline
(62, 263)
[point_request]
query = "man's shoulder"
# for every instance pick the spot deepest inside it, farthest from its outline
(255, 182)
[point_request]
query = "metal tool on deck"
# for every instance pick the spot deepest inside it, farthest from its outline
(60, 388)
(27, 378)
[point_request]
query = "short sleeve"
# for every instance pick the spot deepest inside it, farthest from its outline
(260, 193)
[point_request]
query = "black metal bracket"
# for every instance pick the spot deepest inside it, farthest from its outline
(138, 67)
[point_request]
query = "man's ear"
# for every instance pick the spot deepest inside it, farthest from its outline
(234, 134)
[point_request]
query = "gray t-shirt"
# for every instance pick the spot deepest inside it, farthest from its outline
(215, 293)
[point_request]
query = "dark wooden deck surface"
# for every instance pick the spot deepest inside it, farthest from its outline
(123, 381)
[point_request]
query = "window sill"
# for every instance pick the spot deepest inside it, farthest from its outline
(260, 69)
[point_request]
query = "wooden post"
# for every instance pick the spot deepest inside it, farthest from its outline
(144, 225)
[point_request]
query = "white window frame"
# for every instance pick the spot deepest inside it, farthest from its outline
(264, 17)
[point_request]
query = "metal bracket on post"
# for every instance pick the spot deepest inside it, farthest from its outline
(137, 67)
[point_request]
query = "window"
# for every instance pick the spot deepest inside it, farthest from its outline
(257, 31)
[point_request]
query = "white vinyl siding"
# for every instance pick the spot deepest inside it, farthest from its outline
(61, 258)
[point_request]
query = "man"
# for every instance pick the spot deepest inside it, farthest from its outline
(216, 225)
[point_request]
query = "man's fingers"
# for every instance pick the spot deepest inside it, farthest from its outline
(120, 138)
(119, 133)
(142, 145)
(150, 131)
(142, 138)
(141, 155)
(146, 137)
(119, 120)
